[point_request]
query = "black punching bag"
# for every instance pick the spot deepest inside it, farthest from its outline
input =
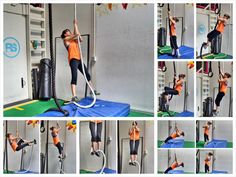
(45, 79)
(208, 112)
(161, 37)
(216, 44)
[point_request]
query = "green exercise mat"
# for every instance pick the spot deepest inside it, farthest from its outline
(86, 172)
(216, 56)
(30, 109)
(167, 114)
(134, 113)
(164, 50)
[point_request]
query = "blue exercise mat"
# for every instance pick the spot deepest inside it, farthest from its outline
(218, 172)
(174, 143)
(185, 52)
(185, 114)
(107, 171)
(25, 172)
(217, 144)
(100, 109)
(175, 172)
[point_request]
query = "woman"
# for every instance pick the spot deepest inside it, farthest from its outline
(207, 162)
(173, 166)
(206, 128)
(95, 127)
(223, 81)
(177, 89)
(134, 133)
(74, 57)
(173, 37)
(221, 23)
(177, 133)
(56, 140)
(17, 143)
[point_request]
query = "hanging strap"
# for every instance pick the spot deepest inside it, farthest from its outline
(160, 4)
(162, 66)
(210, 73)
(42, 127)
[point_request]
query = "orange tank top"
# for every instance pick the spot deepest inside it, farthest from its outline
(207, 161)
(174, 135)
(73, 51)
(13, 144)
(96, 121)
(55, 137)
(223, 86)
(174, 165)
(179, 86)
(173, 30)
(220, 26)
(206, 130)
(135, 135)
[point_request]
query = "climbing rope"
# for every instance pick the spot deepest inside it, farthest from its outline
(174, 79)
(104, 161)
(84, 74)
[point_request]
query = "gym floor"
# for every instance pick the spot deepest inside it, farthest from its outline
(36, 107)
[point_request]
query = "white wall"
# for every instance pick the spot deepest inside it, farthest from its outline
(187, 156)
(124, 51)
(187, 126)
(224, 160)
(68, 139)
(187, 12)
(85, 145)
(15, 68)
(147, 133)
(177, 102)
(26, 132)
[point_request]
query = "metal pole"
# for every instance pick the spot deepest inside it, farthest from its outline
(6, 151)
(47, 146)
(118, 144)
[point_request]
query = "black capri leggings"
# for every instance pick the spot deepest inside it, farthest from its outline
(167, 170)
(21, 144)
(207, 169)
(170, 91)
(74, 66)
(95, 135)
(133, 145)
(59, 147)
(219, 97)
(167, 139)
(206, 138)
(213, 34)
(173, 42)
